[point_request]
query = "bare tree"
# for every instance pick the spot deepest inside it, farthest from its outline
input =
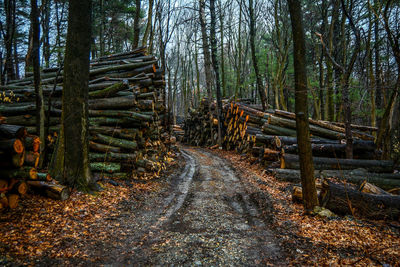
(74, 132)
(260, 87)
(310, 199)
(216, 70)
(136, 28)
(36, 76)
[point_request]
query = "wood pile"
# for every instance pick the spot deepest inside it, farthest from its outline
(271, 137)
(201, 127)
(178, 132)
(20, 155)
(126, 112)
(364, 200)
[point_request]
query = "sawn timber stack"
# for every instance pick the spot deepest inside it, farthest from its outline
(126, 112)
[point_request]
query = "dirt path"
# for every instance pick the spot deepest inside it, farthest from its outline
(204, 214)
(208, 220)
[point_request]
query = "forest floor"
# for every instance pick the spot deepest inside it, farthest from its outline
(212, 208)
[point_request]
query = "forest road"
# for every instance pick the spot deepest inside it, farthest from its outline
(208, 219)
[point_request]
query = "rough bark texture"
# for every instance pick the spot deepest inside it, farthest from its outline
(310, 198)
(252, 36)
(76, 171)
(36, 73)
(216, 69)
(149, 23)
(206, 53)
(136, 28)
(8, 35)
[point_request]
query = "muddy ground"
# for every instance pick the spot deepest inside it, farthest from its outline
(214, 208)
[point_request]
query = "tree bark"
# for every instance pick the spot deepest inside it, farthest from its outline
(344, 199)
(76, 172)
(216, 69)
(136, 28)
(207, 57)
(40, 116)
(149, 23)
(8, 37)
(310, 198)
(260, 88)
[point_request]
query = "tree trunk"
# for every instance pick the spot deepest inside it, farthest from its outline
(239, 51)
(149, 23)
(252, 36)
(8, 35)
(207, 57)
(310, 198)
(40, 117)
(216, 69)
(136, 26)
(46, 12)
(221, 28)
(344, 199)
(76, 172)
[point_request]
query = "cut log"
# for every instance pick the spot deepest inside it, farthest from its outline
(32, 158)
(109, 91)
(109, 167)
(325, 124)
(12, 131)
(135, 66)
(289, 161)
(54, 191)
(129, 134)
(344, 199)
(20, 187)
(41, 176)
(4, 201)
(22, 173)
(28, 120)
(385, 181)
(12, 146)
(368, 188)
(120, 122)
(117, 175)
(314, 129)
(335, 150)
(112, 103)
(289, 175)
(113, 157)
(10, 161)
(358, 127)
(122, 143)
(297, 192)
(32, 143)
(277, 130)
(103, 148)
(120, 113)
(13, 201)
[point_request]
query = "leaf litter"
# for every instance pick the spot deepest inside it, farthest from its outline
(315, 240)
(40, 228)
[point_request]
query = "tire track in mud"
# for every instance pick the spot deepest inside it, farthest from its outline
(208, 219)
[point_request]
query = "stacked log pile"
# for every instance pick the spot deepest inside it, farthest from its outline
(271, 136)
(201, 127)
(125, 112)
(19, 153)
(178, 132)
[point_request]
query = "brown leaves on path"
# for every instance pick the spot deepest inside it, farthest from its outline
(316, 240)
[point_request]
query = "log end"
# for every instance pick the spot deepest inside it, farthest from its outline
(18, 146)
